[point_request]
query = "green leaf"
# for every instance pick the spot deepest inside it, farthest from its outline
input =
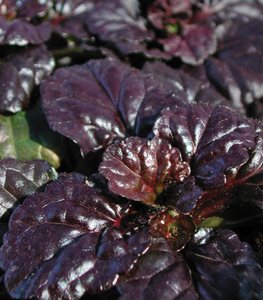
(23, 136)
(211, 222)
(172, 28)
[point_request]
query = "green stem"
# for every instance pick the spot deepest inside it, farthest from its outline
(58, 53)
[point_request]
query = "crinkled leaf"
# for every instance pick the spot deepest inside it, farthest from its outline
(19, 73)
(182, 31)
(193, 45)
(26, 136)
(118, 22)
(20, 179)
(100, 101)
(76, 255)
(221, 144)
(224, 266)
(159, 274)
(139, 169)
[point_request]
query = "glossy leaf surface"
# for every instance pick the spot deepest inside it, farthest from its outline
(194, 45)
(186, 86)
(76, 254)
(21, 179)
(19, 73)
(168, 277)
(237, 68)
(221, 144)
(224, 266)
(118, 22)
(95, 103)
(140, 170)
(19, 32)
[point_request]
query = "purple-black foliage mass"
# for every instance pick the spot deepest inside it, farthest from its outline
(150, 114)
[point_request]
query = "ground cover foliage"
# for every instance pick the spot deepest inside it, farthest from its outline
(131, 149)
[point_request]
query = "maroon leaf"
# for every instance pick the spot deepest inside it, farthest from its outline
(176, 228)
(221, 144)
(140, 170)
(19, 73)
(77, 255)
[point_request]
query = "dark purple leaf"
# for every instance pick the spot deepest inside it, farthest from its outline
(140, 170)
(19, 73)
(26, 9)
(187, 87)
(70, 17)
(211, 203)
(182, 31)
(100, 101)
(222, 145)
(118, 22)
(77, 255)
(21, 179)
(237, 68)
(160, 12)
(227, 11)
(224, 266)
(182, 196)
(193, 45)
(159, 274)
(12, 94)
(249, 194)
(19, 32)
(79, 102)
(73, 7)
(31, 8)
(72, 26)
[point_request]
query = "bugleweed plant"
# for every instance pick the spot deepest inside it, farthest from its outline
(131, 149)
